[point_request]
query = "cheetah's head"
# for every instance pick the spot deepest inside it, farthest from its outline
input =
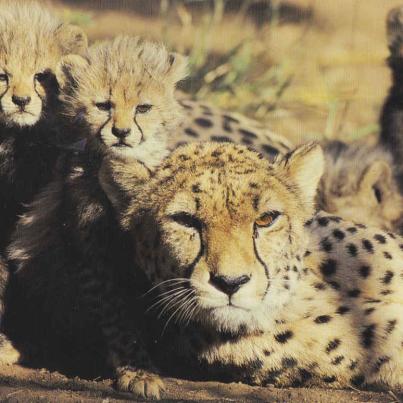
(219, 232)
(32, 41)
(122, 95)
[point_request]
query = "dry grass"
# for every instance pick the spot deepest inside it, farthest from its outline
(323, 77)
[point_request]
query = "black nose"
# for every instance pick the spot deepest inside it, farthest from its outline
(228, 285)
(120, 133)
(21, 101)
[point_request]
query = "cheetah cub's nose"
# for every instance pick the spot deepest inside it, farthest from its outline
(21, 101)
(228, 285)
(120, 133)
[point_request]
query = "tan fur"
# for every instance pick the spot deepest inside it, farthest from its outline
(124, 73)
(295, 320)
(359, 186)
(32, 41)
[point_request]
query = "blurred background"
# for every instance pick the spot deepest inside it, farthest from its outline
(306, 68)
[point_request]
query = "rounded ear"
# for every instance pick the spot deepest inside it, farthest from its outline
(122, 183)
(304, 167)
(376, 180)
(69, 69)
(178, 67)
(394, 30)
(71, 39)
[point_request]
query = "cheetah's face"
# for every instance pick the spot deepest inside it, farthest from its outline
(231, 230)
(28, 60)
(122, 99)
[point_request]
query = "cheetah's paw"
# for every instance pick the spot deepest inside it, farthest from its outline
(8, 354)
(139, 382)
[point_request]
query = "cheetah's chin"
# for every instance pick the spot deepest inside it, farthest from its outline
(21, 119)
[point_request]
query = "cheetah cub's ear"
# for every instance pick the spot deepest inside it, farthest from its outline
(394, 30)
(304, 167)
(376, 182)
(69, 70)
(177, 67)
(71, 39)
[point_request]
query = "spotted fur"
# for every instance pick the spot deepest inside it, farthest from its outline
(69, 243)
(248, 287)
(32, 41)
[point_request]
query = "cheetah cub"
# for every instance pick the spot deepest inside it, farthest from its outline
(251, 288)
(32, 42)
(120, 97)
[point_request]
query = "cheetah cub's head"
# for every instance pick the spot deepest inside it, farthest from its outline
(32, 41)
(121, 95)
(359, 185)
(223, 231)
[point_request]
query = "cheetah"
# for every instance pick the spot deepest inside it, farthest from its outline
(32, 41)
(392, 112)
(122, 97)
(351, 187)
(249, 285)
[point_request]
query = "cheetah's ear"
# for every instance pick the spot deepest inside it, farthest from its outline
(376, 181)
(394, 30)
(304, 167)
(178, 67)
(69, 70)
(71, 39)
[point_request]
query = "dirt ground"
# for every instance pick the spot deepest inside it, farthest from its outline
(26, 385)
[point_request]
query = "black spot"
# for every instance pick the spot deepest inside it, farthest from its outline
(203, 122)
(283, 337)
(320, 286)
(393, 236)
(329, 379)
(367, 245)
(352, 249)
(353, 365)
(368, 336)
(341, 310)
(337, 360)
(361, 226)
(326, 245)
(230, 118)
(309, 223)
(333, 345)
(365, 271)
(247, 141)
(270, 150)
(221, 139)
(266, 353)
(387, 278)
(196, 188)
(289, 362)
(248, 133)
(255, 364)
(352, 230)
(328, 267)
(357, 380)
(216, 153)
(190, 132)
(334, 218)
(391, 326)
(380, 238)
(323, 319)
(339, 235)
(387, 255)
(354, 293)
(335, 285)
(323, 221)
(386, 292)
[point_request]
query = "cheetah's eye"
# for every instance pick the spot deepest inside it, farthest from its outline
(143, 108)
(187, 220)
(104, 106)
(267, 219)
(3, 77)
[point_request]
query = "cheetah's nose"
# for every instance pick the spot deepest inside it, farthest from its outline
(21, 101)
(120, 133)
(228, 285)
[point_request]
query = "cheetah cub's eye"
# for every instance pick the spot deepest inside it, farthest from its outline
(268, 219)
(3, 77)
(143, 108)
(186, 220)
(104, 106)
